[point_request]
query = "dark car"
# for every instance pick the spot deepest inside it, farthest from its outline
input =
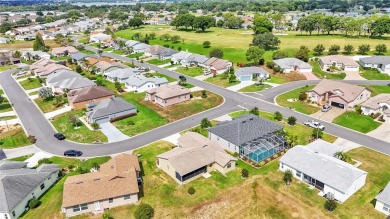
(73, 153)
(59, 136)
(182, 77)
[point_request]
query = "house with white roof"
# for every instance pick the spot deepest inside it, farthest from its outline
(250, 73)
(316, 165)
(121, 75)
(382, 63)
(140, 83)
(378, 104)
(178, 57)
(382, 203)
(99, 38)
(35, 55)
(293, 65)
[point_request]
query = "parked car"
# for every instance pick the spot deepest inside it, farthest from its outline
(181, 77)
(326, 108)
(59, 136)
(73, 153)
(314, 124)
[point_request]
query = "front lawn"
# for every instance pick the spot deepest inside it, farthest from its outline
(192, 72)
(288, 100)
(30, 83)
(377, 89)
(169, 79)
(220, 81)
(80, 134)
(158, 61)
(6, 67)
(357, 122)
(60, 58)
(374, 74)
(276, 80)
(13, 139)
(7, 117)
(135, 55)
(5, 106)
(118, 52)
(321, 74)
(255, 88)
(49, 105)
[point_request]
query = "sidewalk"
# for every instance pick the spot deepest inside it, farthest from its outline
(32, 90)
(241, 85)
(58, 112)
(22, 151)
(10, 122)
(9, 113)
(33, 161)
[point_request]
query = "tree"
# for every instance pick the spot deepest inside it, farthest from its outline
(342, 156)
(95, 125)
(278, 116)
(152, 35)
(254, 111)
(233, 22)
(292, 140)
(317, 133)
(45, 93)
(205, 123)
(203, 22)
(292, 120)
(144, 211)
(79, 69)
(206, 44)
(100, 52)
(74, 120)
(319, 50)
(363, 49)
(232, 78)
(217, 53)
(39, 44)
(244, 173)
(175, 38)
(165, 37)
(380, 49)
(287, 177)
(5, 26)
(303, 54)
(330, 204)
(348, 49)
(254, 53)
(262, 24)
(334, 49)
(279, 54)
(135, 22)
(266, 41)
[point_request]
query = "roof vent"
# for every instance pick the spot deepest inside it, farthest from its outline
(96, 179)
(79, 182)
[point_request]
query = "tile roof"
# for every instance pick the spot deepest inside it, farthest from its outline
(61, 50)
(345, 60)
(115, 178)
(89, 93)
(108, 106)
(169, 91)
(197, 58)
(217, 63)
(347, 92)
(384, 196)
(244, 129)
(374, 102)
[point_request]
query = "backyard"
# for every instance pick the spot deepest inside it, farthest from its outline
(49, 105)
(13, 138)
(322, 75)
(192, 72)
(255, 88)
(219, 80)
(30, 83)
(79, 133)
(357, 122)
(290, 99)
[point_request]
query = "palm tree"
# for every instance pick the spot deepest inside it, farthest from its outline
(292, 140)
(100, 52)
(28, 56)
(86, 64)
(342, 156)
(287, 178)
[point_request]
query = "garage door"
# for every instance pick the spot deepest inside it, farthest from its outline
(339, 105)
(245, 78)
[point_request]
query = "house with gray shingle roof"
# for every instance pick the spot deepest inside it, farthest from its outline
(141, 83)
(79, 57)
(383, 200)
(250, 73)
(67, 80)
(382, 63)
(334, 178)
(121, 75)
(19, 184)
(293, 65)
(252, 137)
(109, 109)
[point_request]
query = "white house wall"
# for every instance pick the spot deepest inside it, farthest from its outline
(378, 206)
(225, 144)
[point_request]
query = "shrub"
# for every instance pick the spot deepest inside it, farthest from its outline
(302, 96)
(277, 69)
(254, 111)
(270, 65)
(206, 44)
(32, 139)
(44, 160)
(144, 211)
(191, 190)
(268, 160)
(205, 123)
(276, 156)
(107, 216)
(287, 177)
(235, 154)
(292, 120)
(95, 125)
(244, 173)
(204, 94)
(330, 204)
(262, 163)
(278, 116)
(33, 203)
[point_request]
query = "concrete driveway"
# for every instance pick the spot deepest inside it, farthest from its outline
(382, 132)
(353, 76)
(112, 133)
(310, 76)
(328, 116)
(241, 85)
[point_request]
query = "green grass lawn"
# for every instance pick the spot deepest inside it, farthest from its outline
(145, 120)
(376, 89)
(187, 85)
(48, 105)
(300, 106)
(118, 52)
(321, 74)
(6, 67)
(7, 117)
(135, 55)
(85, 51)
(30, 83)
(219, 81)
(81, 134)
(5, 106)
(192, 72)
(107, 49)
(170, 79)
(106, 83)
(13, 139)
(255, 88)
(158, 61)
(357, 122)
(276, 80)
(60, 58)
(22, 158)
(374, 74)
(33, 93)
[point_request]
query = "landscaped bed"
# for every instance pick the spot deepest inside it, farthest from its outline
(30, 83)
(357, 122)
(219, 80)
(317, 71)
(13, 138)
(290, 99)
(192, 72)
(80, 133)
(255, 88)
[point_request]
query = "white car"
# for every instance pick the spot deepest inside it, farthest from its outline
(326, 108)
(314, 124)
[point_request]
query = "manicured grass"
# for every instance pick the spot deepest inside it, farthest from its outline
(22, 158)
(13, 139)
(60, 58)
(321, 74)
(170, 79)
(135, 55)
(376, 89)
(300, 106)
(158, 61)
(374, 74)
(145, 120)
(357, 122)
(33, 93)
(276, 80)
(87, 52)
(106, 83)
(5, 106)
(187, 85)
(81, 134)
(255, 88)
(118, 52)
(192, 72)
(219, 81)
(107, 49)
(6, 67)
(48, 105)
(16, 45)
(7, 117)
(30, 83)
(200, 130)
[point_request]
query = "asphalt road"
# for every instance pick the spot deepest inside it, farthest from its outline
(36, 124)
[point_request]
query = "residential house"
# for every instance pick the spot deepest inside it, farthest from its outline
(217, 66)
(103, 67)
(178, 57)
(252, 137)
(378, 104)
(48, 68)
(63, 51)
(194, 60)
(8, 59)
(141, 83)
(140, 47)
(4, 40)
(20, 184)
(288, 65)
(251, 73)
(64, 81)
(159, 52)
(168, 95)
(99, 38)
(334, 178)
(382, 203)
(79, 57)
(194, 156)
(338, 94)
(114, 184)
(122, 74)
(35, 55)
(78, 99)
(340, 62)
(109, 109)
(382, 63)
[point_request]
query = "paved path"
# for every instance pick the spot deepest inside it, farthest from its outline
(353, 76)
(241, 85)
(58, 112)
(33, 160)
(22, 151)
(310, 76)
(9, 122)
(112, 133)
(328, 116)
(9, 113)
(382, 132)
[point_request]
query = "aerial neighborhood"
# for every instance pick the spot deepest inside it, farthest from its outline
(194, 109)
